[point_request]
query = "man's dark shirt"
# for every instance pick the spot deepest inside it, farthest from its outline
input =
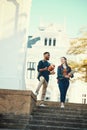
(42, 64)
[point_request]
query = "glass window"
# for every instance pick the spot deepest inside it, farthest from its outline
(54, 42)
(50, 42)
(84, 98)
(45, 42)
(31, 70)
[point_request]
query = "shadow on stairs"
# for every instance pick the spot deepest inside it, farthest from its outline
(49, 117)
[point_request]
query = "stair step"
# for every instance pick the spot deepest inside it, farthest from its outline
(55, 118)
(62, 111)
(68, 105)
(50, 117)
(60, 115)
(11, 121)
(59, 109)
(48, 127)
(12, 126)
(11, 129)
(61, 118)
(19, 121)
(59, 123)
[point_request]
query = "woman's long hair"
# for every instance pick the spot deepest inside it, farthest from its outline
(65, 60)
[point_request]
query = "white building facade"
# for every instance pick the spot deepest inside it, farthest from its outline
(52, 38)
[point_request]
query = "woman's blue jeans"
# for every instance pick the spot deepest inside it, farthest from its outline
(63, 87)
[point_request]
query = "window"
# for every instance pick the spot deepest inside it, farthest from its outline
(50, 42)
(45, 42)
(83, 98)
(54, 42)
(31, 70)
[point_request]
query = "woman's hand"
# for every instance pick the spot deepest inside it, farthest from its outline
(57, 81)
(67, 76)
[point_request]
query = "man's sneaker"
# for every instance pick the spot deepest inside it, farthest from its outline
(36, 93)
(62, 105)
(42, 105)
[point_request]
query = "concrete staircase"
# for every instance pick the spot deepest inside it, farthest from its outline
(13, 122)
(50, 117)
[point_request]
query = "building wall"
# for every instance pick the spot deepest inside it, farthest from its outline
(77, 92)
(14, 27)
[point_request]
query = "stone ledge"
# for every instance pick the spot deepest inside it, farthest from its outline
(17, 92)
(17, 101)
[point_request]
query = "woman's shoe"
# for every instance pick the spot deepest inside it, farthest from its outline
(62, 105)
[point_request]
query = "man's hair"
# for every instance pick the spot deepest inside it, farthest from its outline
(46, 53)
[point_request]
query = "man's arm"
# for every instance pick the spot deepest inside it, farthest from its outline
(39, 67)
(41, 70)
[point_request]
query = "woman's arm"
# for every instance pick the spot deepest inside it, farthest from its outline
(71, 73)
(59, 73)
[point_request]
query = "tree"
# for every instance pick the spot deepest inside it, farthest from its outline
(78, 46)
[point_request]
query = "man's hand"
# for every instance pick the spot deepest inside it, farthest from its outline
(52, 72)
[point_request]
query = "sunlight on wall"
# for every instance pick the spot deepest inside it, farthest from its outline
(14, 29)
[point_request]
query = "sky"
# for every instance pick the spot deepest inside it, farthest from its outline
(71, 12)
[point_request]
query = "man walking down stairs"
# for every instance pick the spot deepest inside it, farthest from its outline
(50, 117)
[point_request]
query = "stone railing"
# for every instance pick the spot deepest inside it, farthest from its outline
(17, 101)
